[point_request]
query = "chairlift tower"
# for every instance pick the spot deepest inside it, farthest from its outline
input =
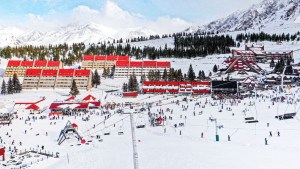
(133, 137)
(217, 127)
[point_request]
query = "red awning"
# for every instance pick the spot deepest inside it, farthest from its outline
(89, 97)
(74, 125)
(70, 98)
(33, 107)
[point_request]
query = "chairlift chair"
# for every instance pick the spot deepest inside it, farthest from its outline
(106, 131)
(121, 130)
(140, 123)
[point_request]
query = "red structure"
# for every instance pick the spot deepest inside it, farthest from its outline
(2, 153)
(30, 106)
(93, 57)
(130, 94)
(19, 67)
(242, 64)
(176, 87)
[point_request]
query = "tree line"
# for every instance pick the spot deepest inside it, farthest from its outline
(262, 36)
(185, 46)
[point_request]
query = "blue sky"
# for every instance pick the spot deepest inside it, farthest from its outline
(189, 11)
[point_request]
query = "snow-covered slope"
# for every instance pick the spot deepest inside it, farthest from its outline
(72, 33)
(269, 15)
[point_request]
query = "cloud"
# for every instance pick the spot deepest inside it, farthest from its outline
(110, 15)
(166, 24)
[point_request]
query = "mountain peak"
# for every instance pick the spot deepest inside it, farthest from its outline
(269, 15)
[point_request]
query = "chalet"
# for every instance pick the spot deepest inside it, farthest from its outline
(19, 67)
(29, 107)
(242, 66)
(126, 68)
(162, 87)
(72, 105)
(259, 54)
(62, 78)
(99, 62)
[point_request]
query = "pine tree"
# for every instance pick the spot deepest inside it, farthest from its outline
(272, 63)
(16, 83)
(130, 83)
(3, 88)
(171, 74)
(135, 83)
(203, 75)
(157, 75)
(96, 79)
(179, 76)
(10, 87)
(143, 77)
(215, 68)
(125, 87)
(191, 74)
(74, 90)
(165, 75)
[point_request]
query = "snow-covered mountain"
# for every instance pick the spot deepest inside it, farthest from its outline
(72, 33)
(269, 15)
(134, 32)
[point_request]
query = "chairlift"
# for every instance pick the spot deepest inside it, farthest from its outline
(140, 122)
(121, 129)
(106, 131)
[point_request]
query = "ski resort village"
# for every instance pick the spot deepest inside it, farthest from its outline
(95, 95)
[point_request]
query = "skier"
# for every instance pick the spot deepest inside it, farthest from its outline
(278, 134)
(228, 137)
(266, 141)
(270, 134)
(202, 135)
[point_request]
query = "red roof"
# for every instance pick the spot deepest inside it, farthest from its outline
(136, 64)
(164, 64)
(40, 63)
(112, 58)
(27, 63)
(53, 63)
(33, 72)
(125, 58)
(206, 83)
(161, 83)
(148, 83)
(88, 57)
(130, 94)
(33, 107)
(100, 57)
(122, 63)
(55, 106)
(49, 72)
(89, 97)
(82, 72)
(14, 63)
(70, 98)
(173, 83)
(149, 63)
(66, 72)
